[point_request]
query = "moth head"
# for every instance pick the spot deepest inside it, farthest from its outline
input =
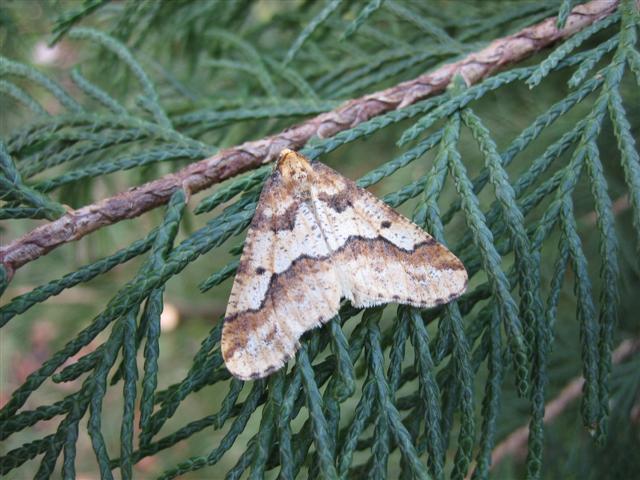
(293, 166)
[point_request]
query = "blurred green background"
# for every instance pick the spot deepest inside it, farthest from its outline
(177, 50)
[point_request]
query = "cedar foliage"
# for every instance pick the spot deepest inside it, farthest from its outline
(391, 391)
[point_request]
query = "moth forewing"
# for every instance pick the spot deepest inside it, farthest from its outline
(317, 237)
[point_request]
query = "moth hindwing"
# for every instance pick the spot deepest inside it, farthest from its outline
(315, 238)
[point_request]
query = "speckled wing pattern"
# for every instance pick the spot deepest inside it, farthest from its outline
(317, 237)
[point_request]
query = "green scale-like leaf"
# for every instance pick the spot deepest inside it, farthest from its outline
(407, 393)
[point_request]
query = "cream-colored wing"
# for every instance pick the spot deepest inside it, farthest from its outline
(381, 256)
(317, 237)
(285, 284)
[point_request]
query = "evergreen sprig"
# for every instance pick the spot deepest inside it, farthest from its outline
(362, 395)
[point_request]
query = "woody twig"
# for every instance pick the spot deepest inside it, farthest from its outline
(516, 442)
(232, 161)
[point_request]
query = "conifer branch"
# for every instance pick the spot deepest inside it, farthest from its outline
(516, 441)
(233, 161)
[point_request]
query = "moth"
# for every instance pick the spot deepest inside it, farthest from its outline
(317, 237)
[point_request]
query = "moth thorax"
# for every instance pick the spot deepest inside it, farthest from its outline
(294, 167)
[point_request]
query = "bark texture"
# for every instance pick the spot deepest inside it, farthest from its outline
(232, 161)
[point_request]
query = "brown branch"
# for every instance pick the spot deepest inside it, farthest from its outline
(516, 442)
(227, 163)
(622, 204)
